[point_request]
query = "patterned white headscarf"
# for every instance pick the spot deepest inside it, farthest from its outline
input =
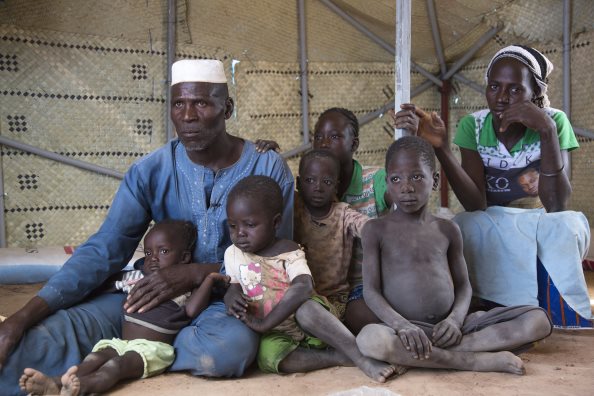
(537, 63)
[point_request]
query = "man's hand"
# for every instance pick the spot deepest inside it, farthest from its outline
(219, 280)
(264, 145)
(235, 301)
(415, 340)
(13, 328)
(11, 331)
(446, 334)
(158, 287)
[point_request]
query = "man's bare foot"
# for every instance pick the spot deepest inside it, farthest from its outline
(505, 362)
(375, 369)
(70, 383)
(37, 383)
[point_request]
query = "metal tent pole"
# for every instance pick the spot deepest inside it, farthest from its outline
(303, 71)
(2, 205)
(465, 80)
(363, 29)
(445, 116)
(567, 69)
(367, 118)
(61, 158)
(471, 51)
(584, 132)
(296, 150)
(436, 36)
(171, 24)
(402, 59)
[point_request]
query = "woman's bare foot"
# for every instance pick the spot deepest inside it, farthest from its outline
(37, 383)
(375, 369)
(505, 362)
(70, 383)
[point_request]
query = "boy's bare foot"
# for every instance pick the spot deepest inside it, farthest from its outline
(505, 362)
(375, 369)
(340, 358)
(70, 383)
(37, 383)
(399, 370)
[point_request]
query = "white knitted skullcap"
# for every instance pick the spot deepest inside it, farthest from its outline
(198, 70)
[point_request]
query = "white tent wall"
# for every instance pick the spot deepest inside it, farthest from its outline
(104, 62)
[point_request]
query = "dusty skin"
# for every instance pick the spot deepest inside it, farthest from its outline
(560, 365)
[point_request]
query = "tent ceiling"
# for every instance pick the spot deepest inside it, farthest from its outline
(266, 30)
(269, 30)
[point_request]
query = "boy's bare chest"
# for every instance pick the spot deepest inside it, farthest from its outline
(414, 242)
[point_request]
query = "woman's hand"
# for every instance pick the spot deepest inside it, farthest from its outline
(432, 129)
(529, 115)
(428, 126)
(406, 118)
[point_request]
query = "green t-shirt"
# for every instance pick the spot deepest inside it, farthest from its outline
(510, 175)
(366, 191)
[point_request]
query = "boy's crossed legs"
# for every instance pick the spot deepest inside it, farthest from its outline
(314, 319)
(483, 350)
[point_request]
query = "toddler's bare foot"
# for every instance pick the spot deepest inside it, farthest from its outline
(70, 383)
(505, 362)
(37, 383)
(375, 369)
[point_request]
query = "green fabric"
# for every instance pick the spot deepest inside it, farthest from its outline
(356, 188)
(466, 132)
(356, 184)
(156, 356)
(276, 346)
(380, 188)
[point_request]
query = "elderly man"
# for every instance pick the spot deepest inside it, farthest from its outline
(189, 178)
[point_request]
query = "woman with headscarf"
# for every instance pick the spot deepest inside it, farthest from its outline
(518, 131)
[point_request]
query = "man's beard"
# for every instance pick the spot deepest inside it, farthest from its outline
(195, 146)
(201, 144)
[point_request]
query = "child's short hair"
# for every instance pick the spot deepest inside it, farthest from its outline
(349, 115)
(182, 229)
(311, 154)
(262, 188)
(414, 143)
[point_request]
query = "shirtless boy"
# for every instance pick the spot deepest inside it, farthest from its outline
(416, 281)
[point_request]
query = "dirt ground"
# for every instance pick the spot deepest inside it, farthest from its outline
(563, 364)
